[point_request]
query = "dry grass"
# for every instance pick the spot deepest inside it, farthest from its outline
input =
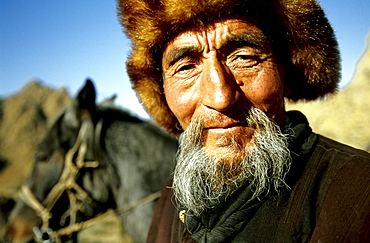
(107, 231)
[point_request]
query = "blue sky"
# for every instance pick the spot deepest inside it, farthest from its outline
(61, 42)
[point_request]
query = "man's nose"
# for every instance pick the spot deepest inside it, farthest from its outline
(219, 87)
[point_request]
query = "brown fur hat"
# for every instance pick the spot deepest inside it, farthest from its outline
(298, 30)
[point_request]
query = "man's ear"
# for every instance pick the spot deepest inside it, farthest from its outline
(85, 101)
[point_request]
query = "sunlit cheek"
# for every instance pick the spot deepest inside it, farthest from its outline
(265, 92)
(181, 102)
(273, 98)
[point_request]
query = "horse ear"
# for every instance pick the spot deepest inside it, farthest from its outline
(85, 100)
(110, 102)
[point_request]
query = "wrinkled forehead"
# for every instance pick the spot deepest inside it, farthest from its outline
(216, 35)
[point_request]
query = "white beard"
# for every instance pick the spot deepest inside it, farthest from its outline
(201, 182)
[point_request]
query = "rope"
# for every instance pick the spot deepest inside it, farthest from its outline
(107, 215)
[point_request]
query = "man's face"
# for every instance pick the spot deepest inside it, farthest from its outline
(217, 74)
(224, 85)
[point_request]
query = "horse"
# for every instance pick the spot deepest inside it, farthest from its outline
(115, 160)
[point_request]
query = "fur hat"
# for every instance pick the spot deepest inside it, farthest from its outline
(298, 31)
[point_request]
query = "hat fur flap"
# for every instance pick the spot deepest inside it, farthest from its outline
(296, 28)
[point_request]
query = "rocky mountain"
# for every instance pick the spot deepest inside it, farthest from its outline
(23, 122)
(24, 119)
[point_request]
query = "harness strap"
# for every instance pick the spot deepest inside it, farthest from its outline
(67, 181)
(27, 197)
(70, 170)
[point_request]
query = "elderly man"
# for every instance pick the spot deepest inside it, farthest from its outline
(216, 73)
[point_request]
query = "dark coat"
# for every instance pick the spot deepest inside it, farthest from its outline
(329, 201)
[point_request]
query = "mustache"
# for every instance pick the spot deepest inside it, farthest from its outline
(240, 117)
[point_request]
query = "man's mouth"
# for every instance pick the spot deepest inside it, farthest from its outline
(227, 126)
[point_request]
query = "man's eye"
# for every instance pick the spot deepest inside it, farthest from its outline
(242, 58)
(245, 60)
(185, 67)
(245, 57)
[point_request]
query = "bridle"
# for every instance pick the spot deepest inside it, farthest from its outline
(74, 161)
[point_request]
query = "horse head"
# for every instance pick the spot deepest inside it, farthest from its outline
(74, 127)
(93, 158)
